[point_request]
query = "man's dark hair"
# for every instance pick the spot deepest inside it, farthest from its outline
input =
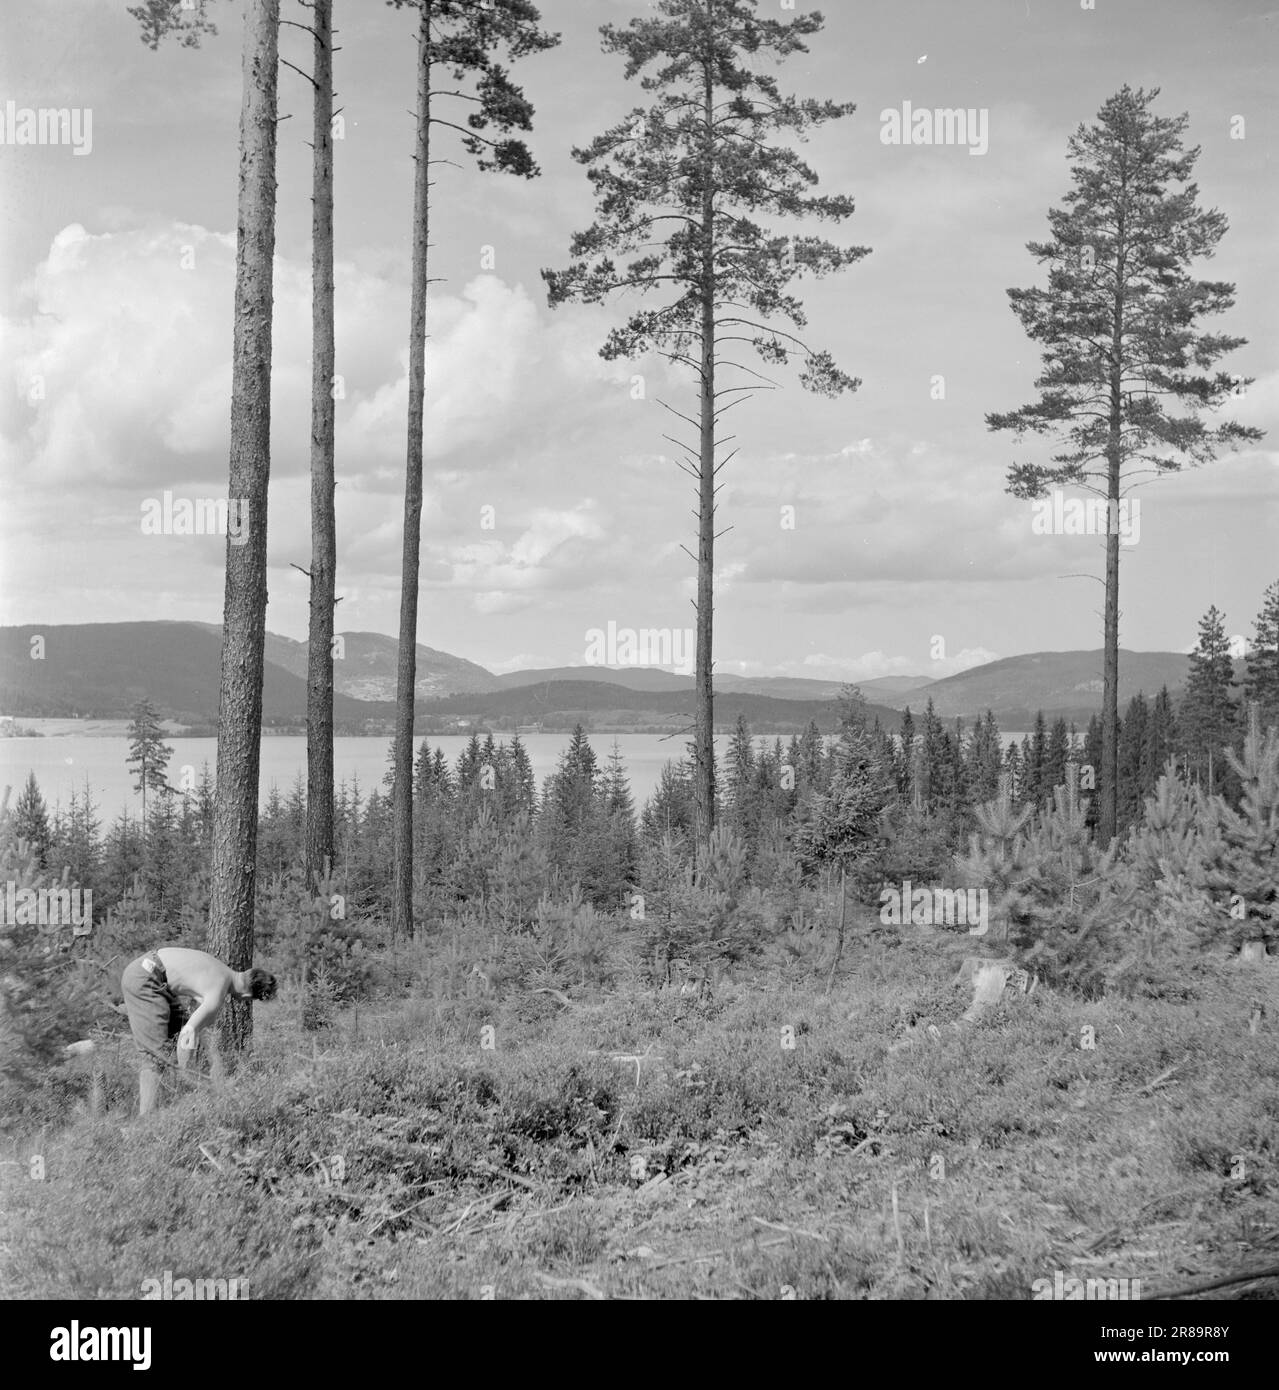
(262, 983)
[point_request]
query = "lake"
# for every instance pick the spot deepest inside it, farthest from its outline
(63, 761)
(65, 758)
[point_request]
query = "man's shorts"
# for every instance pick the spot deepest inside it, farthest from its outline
(154, 1015)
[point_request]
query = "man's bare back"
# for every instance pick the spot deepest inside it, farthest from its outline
(151, 985)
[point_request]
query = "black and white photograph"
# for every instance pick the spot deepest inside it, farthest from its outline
(639, 662)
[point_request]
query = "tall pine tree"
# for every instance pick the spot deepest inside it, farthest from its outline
(1118, 323)
(680, 186)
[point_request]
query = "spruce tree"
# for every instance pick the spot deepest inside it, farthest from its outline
(906, 765)
(739, 771)
(1161, 741)
(148, 753)
(1261, 681)
(1057, 755)
(31, 820)
(1040, 788)
(1208, 715)
(1134, 733)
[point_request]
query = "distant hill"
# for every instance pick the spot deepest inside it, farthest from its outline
(632, 677)
(653, 678)
(882, 686)
(558, 704)
(1065, 684)
(366, 671)
(100, 670)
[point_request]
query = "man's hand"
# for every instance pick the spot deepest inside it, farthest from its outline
(186, 1039)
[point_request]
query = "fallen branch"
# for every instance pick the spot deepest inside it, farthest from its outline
(1271, 1273)
(1110, 1234)
(395, 1215)
(513, 1177)
(1163, 1076)
(480, 1208)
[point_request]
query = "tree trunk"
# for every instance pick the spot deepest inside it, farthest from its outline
(704, 727)
(1108, 811)
(839, 943)
(235, 816)
(319, 673)
(402, 793)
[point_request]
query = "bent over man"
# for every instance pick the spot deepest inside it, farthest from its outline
(154, 985)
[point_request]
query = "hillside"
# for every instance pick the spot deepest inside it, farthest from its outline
(99, 670)
(366, 670)
(1060, 683)
(559, 704)
(649, 678)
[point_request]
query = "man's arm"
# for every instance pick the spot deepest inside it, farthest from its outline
(202, 1017)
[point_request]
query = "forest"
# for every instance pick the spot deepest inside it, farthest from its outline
(728, 1043)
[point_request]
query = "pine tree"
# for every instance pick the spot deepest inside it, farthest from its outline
(1247, 866)
(680, 188)
(995, 857)
(457, 46)
(1118, 322)
(1057, 895)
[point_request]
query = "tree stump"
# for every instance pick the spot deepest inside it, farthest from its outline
(989, 978)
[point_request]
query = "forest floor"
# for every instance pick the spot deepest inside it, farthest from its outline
(773, 1141)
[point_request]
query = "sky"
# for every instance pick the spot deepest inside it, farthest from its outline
(553, 503)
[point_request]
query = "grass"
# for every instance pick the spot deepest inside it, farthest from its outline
(771, 1142)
